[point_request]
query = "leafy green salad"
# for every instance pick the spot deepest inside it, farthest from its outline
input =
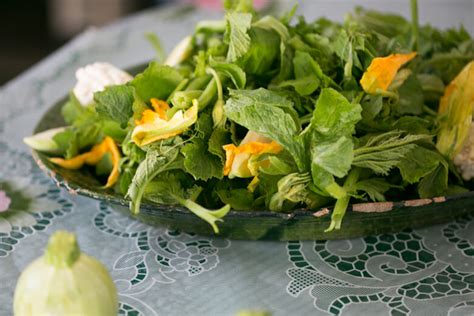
(265, 113)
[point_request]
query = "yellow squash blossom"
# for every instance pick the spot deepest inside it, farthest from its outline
(93, 157)
(237, 157)
(455, 112)
(155, 125)
(381, 72)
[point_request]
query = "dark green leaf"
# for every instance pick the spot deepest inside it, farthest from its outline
(201, 164)
(115, 103)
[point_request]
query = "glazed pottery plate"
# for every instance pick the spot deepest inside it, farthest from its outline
(360, 220)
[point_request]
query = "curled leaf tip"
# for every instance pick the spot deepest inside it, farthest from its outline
(382, 70)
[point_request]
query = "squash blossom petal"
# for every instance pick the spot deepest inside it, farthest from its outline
(455, 112)
(154, 125)
(237, 157)
(93, 157)
(382, 70)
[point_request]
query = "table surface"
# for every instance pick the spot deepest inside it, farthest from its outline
(159, 272)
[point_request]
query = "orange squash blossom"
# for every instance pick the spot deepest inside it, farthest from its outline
(382, 70)
(93, 157)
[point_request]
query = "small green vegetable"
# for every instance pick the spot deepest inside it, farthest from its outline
(65, 281)
(44, 141)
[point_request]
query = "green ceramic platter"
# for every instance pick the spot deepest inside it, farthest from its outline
(302, 224)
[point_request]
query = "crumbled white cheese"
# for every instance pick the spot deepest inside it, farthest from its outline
(464, 161)
(95, 77)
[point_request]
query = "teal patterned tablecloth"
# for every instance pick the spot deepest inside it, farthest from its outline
(159, 272)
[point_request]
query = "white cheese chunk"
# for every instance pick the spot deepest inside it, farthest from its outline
(95, 77)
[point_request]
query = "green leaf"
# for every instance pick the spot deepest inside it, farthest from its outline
(168, 190)
(418, 163)
(234, 72)
(156, 161)
(115, 103)
(67, 142)
(238, 199)
(105, 165)
(238, 5)
(371, 107)
(126, 177)
(204, 126)
(263, 111)
(435, 183)
(374, 187)
(331, 129)
(201, 164)
(334, 156)
(239, 41)
(304, 86)
(334, 115)
(261, 59)
(269, 22)
(113, 129)
(387, 24)
(411, 100)
(305, 66)
(281, 164)
(385, 151)
(157, 81)
(72, 109)
(219, 138)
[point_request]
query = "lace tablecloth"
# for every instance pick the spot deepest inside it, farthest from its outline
(159, 272)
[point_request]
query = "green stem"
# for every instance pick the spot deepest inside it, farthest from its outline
(415, 25)
(63, 250)
(341, 204)
(214, 74)
(198, 83)
(208, 94)
(209, 216)
(178, 88)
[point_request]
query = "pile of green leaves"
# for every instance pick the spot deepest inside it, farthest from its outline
(297, 83)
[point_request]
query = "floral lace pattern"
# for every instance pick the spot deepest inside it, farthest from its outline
(30, 201)
(403, 272)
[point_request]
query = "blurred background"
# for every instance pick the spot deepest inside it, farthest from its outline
(30, 30)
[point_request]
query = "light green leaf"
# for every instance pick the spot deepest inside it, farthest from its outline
(334, 115)
(335, 156)
(265, 112)
(234, 72)
(157, 81)
(239, 41)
